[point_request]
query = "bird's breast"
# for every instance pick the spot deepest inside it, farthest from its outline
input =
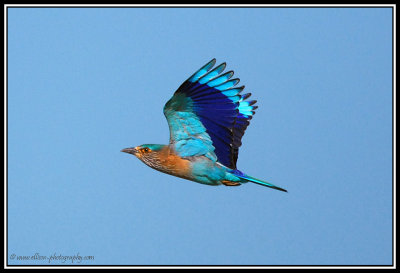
(176, 165)
(199, 169)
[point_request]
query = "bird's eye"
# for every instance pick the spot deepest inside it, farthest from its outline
(146, 150)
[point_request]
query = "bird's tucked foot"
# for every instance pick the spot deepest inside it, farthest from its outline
(230, 183)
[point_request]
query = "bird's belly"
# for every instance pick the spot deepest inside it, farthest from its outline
(198, 169)
(206, 171)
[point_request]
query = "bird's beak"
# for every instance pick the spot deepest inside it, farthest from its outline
(130, 150)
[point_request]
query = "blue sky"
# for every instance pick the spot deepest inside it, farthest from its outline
(83, 83)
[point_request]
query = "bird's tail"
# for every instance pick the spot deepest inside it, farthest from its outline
(247, 178)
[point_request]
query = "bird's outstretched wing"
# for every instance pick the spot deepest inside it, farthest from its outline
(208, 116)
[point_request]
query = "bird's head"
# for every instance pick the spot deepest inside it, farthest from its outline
(148, 153)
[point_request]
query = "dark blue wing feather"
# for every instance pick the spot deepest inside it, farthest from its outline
(219, 106)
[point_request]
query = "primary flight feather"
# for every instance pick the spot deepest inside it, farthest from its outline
(207, 118)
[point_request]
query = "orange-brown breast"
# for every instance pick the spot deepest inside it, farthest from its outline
(174, 164)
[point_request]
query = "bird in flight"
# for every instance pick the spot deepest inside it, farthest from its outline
(207, 118)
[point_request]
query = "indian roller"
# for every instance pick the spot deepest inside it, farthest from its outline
(207, 118)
